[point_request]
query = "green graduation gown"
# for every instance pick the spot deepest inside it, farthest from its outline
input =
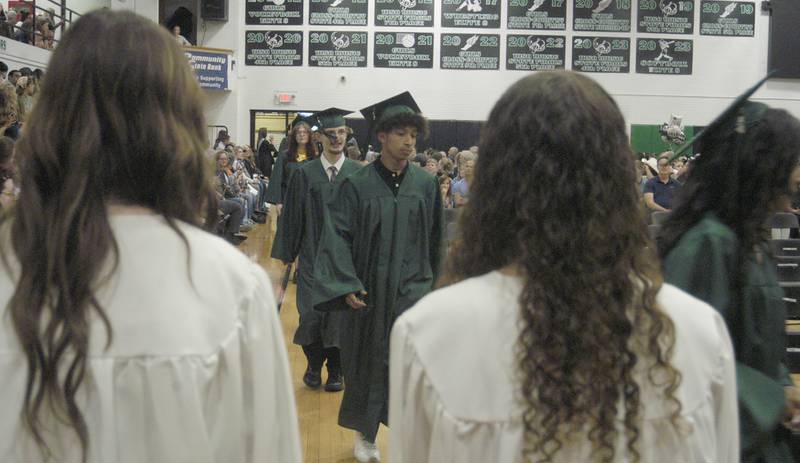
(281, 174)
(297, 237)
(702, 264)
(391, 247)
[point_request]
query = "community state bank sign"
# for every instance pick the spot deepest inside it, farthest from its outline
(211, 66)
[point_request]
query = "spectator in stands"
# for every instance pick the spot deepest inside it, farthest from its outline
(9, 126)
(13, 76)
(2, 13)
(446, 168)
(461, 187)
(230, 188)
(3, 72)
(26, 90)
(52, 25)
(554, 338)
(354, 154)
(223, 139)
(714, 246)
(256, 180)
(473, 150)
(41, 35)
(8, 171)
(445, 184)
(7, 27)
(371, 154)
(680, 170)
(432, 166)
(24, 28)
(659, 191)
(128, 331)
(452, 153)
(176, 32)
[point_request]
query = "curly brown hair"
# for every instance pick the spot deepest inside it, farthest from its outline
(555, 147)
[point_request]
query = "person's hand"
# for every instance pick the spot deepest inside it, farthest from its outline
(792, 411)
(279, 208)
(354, 300)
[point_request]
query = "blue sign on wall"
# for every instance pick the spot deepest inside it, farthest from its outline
(211, 68)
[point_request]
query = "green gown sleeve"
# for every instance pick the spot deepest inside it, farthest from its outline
(273, 195)
(335, 273)
(291, 224)
(702, 265)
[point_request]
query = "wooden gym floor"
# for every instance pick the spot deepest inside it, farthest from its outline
(321, 438)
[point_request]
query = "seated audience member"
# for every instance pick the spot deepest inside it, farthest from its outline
(26, 91)
(7, 26)
(9, 126)
(223, 140)
(8, 186)
(230, 187)
(714, 246)
(659, 191)
(445, 184)
(452, 153)
(371, 154)
(544, 347)
(354, 154)
(473, 150)
(431, 166)
(130, 333)
(446, 168)
(466, 162)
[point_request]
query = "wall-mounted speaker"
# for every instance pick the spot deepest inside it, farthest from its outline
(214, 10)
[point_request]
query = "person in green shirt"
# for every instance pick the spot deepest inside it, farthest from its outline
(379, 254)
(310, 189)
(714, 245)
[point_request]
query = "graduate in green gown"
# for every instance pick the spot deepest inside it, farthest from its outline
(380, 254)
(714, 245)
(300, 228)
(301, 149)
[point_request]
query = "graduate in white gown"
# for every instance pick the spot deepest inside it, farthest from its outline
(127, 332)
(554, 337)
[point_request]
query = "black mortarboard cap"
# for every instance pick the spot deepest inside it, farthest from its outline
(331, 117)
(398, 104)
(750, 112)
(304, 118)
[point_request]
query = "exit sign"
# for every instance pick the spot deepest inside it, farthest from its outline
(284, 98)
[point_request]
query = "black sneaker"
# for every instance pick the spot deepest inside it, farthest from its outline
(334, 383)
(312, 379)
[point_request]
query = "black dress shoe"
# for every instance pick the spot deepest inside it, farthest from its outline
(312, 379)
(258, 218)
(334, 383)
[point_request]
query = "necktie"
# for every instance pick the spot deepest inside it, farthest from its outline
(332, 176)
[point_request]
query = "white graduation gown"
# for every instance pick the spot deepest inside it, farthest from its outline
(453, 386)
(197, 370)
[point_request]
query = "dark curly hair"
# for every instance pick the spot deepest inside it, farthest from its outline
(555, 147)
(403, 120)
(738, 177)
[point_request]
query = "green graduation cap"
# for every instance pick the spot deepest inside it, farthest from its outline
(331, 117)
(399, 104)
(745, 112)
